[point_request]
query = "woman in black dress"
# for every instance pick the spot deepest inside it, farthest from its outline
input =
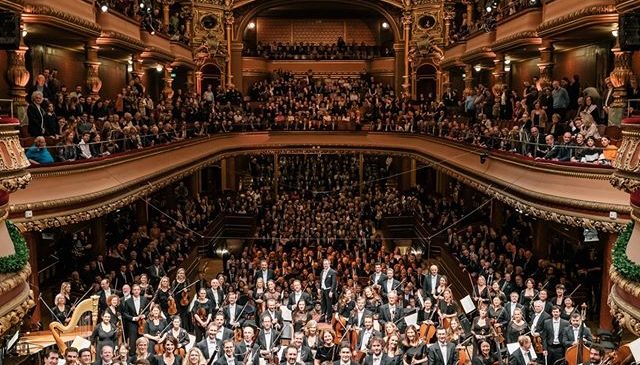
(201, 314)
(517, 326)
(415, 351)
(481, 327)
(180, 285)
(105, 333)
(428, 314)
(61, 310)
(169, 357)
(145, 288)
(142, 352)
(481, 291)
(179, 333)
(163, 294)
(328, 351)
(300, 316)
(155, 328)
(447, 309)
(484, 357)
(393, 350)
(113, 309)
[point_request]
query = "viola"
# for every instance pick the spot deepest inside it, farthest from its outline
(184, 300)
(141, 323)
(173, 309)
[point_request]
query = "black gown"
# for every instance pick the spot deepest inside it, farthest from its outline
(101, 337)
(154, 329)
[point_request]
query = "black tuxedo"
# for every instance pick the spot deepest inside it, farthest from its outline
(226, 334)
(555, 351)
(373, 334)
(304, 296)
(518, 358)
(37, 126)
(381, 279)
(262, 340)
(204, 348)
(385, 360)
(397, 286)
(427, 286)
(243, 352)
(227, 315)
(102, 301)
(212, 298)
(222, 360)
(306, 356)
(276, 318)
(507, 309)
(385, 316)
(357, 320)
(436, 358)
(568, 337)
(329, 291)
(259, 274)
(543, 317)
(128, 312)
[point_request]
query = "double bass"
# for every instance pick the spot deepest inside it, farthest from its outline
(579, 353)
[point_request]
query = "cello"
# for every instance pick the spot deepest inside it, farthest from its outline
(579, 352)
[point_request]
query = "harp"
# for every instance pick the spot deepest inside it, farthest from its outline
(80, 323)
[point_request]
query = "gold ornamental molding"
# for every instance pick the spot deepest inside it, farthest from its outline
(478, 54)
(579, 18)
(519, 39)
(627, 314)
(625, 6)
(16, 307)
(16, 5)
(48, 15)
(120, 39)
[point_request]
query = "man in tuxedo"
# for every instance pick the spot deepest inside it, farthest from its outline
(537, 318)
(442, 352)
(71, 356)
(328, 288)
(84, 356)
(104, 294)
(228, 358)
(506, 284)
(577, 330)
(265, 273)
(389, 285)
(232, 315)
(345, 356)
(378, 277)
(513, 304)
(223, 332)
(52, 356)
(126, 293)
(392, 312)
(543, 296)
(121, 278)
(357, 318)
(100, 269)
(376, 356)
(215, 294)
(274, 312)
(106, 356)
(210, 346)
(131, 313)
(552, 331)
(247, 348)
(156, 271)
(430, 281)
(524, 355)
(299, 295)
(268, 340)
(35, 115)
(366, 335)
(290, 356)
(304, 356)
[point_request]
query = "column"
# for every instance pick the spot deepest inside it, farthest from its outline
(546, 62)
(469, 12)
(276, 172)
(142, 212)
(605, 287)
(439, 84)
(165, 14)
(33, 238)
(167, 91)
(228, 21)
(619, 77)
(441, 182)
(195, 183)
(498, 69)
(18, 77)
(468, 79)
(406, 34)
(398, 49)
(98, 231)
(190, 81)
(497, 213)
(412, 173)
(236, 70)
(228, 173)
(92, 78)
(448, 16)
(198, 82)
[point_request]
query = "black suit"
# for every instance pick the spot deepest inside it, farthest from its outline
(102, 301)
(222, 360)
(306, 356)
(427, 286)
(212, 298)
(204, 348)
(260, 274)
(397, 318)
(518, 358)
(509, 312)
(304, 296)
(243, 352)
(373, 334)
(35, 115)
(357, 320)
(538, 327)
(385, 360)
(556, 351)
(128, 312)
(396, 285)
(568, 336)
(380, 280)
(329, 291)
(436, 358)
(227, 315)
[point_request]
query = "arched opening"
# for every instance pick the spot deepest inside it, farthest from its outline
(426, 81)
(211, 75)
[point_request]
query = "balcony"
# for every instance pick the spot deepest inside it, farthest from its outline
(513, 30)
(118, 29)
(71, 15)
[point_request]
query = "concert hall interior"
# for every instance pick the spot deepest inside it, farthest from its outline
(319, 182)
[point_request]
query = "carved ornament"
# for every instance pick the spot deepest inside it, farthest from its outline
(59, 15)
(512, 38)
(576, 15)
(129, 41)
(626, 313)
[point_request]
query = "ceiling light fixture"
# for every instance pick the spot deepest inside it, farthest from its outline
(159, 67)
(477, 68)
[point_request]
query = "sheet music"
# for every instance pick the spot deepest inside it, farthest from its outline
(286, 313)
(511, 347)
(411, 319)
(467, 304)
(635, 349)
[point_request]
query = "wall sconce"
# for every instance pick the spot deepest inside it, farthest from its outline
(477, 68)
(507, 68)
(159, 67)
(251, 25)
(507, 60)
(464, 76)
(129, 68)
(385, 25)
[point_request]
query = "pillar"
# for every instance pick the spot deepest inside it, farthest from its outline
(541, 243)
(546, 62)
(167, 91)
(98, 231)
(228, 173)
(142, 212)
(195, 183)
(439, 84)
(406, 34)
(190, 81)
(18, 77)
(497, 213)
(198, 81)
(236, 70)
(448, 16)
(468, 79)
(92, 78)
(33, 239)
(605, 287)
(498, 69)
(228, 21)
(619, 77)
(470, 4)
(165, 14)
(441, 182)
(398, 49)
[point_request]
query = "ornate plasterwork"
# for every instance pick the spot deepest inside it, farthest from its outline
(627, 314)
(125, 39)
(67, 19)
(566, 20)
(515, 37)
(17, 307)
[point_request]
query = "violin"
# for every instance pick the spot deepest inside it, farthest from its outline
(173, 309)
(184, 299)
(141, 322)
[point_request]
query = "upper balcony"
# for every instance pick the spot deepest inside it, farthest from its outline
(59, 195)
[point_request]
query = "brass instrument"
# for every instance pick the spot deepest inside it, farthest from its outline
(57, 329)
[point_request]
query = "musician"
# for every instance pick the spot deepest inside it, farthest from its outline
(576, 331)
(524, 355)
(71, 356)
(155, 328)
(442, 287)
(373, 301)
(517, 326)
(274, 312)
(304, 355)
(345, 356)
(210, 346)
(61, 310)
(389, 285)
(447, 308)
(156, 271)
(568, 309)
(223, 332)
(168, 357)
(179, 333)
(481, 291)
(359, 313)
(114, 309)
(393, 350)
(247, 350)
(366, 334)
(428, 314)
(104, 333)
(514, 304)
(560, 296)
(122, 356)
(258, 295)
(442, 352)
(431, 281)
(392, 312)
(104, 293)
(142, 352)
(146, 290)
(455, 332)
(228, 357)
(484, 357)
(106, 356)
(265, 273)
(496, 291)
(232, 312)
(543, 295)
(132, 312)
(378, 277)
(311, 336)
(272, 291)
(268, 339)
(126, 293)
(529, 293)
(179, 286)
(122, 278)
(537, 318)
(376, 356)
(163, 294)
(415, 350)
(328, 351)
(498, 313)
(65, 291)
(595, 355)
(290, 356)
(552, 331)
(329, 287)
(215, 294)
(300, 316)
(507, 285)
(481, 326)
(194, 357)
(299, 295)
(84, 356)
(201, 314)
